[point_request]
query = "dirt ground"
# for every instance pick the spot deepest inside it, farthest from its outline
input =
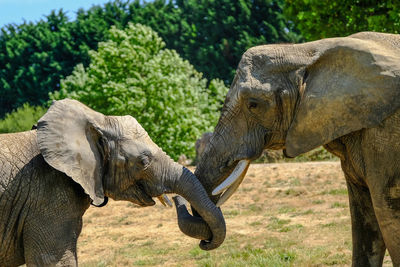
(284, 214)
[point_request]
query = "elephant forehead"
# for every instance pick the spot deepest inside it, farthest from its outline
(136, 146)
(126, 127)
(257, 62)
(132, 134)
(253, 85)
(277, 58)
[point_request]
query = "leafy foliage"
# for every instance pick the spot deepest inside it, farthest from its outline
(133, 73)
(22, 119)
(31, 61)
(35, 56)
(320, 19)
(212, 34)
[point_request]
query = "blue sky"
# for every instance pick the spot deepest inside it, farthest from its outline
(15, 11)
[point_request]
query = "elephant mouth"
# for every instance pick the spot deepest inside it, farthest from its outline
(147, 194)
(146, 200)
(229, 186)
(142, 197)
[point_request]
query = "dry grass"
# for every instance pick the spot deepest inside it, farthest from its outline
(287, 214)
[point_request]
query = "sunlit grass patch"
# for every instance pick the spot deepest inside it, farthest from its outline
(306, 212)
(335, 192)
(250, 256)
(289, 228)
(329, 225)
(255, 208)
(293, 192)
(265, 227)
(294, 181)
(247, 189)
(256, 223)
(277, 224)
(231, 213)
(338, 205)
(286, 209)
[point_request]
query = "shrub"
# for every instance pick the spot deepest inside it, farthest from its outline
(21, 119)
(134, 74)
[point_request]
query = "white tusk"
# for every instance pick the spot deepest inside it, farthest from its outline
(227, 194)
(161, 200)
(232, 189)
(165, 200)
(236, 174)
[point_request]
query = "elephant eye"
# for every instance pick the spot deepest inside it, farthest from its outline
(144, 160)
(252, 104)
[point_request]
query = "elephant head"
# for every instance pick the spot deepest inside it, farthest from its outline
(113, 156)
(297, 97)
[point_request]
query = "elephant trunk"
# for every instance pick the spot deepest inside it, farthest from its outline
(221, 173)
(209, 170)
(210, 226)
(193, 226)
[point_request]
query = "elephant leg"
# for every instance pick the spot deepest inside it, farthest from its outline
(386, 200)
(368, 245)
(51, 242)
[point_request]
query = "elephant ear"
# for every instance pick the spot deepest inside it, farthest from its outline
(68, 136)
(351, 84)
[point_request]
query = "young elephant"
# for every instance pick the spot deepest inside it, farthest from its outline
(76, 156)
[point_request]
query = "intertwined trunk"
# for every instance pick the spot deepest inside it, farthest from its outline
(210, 225)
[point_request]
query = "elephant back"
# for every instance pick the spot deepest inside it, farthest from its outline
(16, 151)
(392, 40)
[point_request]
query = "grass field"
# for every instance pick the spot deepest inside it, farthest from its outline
(286, 214)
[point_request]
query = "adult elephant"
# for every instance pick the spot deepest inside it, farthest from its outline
(76, 156)
(342, 93)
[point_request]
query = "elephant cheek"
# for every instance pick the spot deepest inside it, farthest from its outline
(135, 195)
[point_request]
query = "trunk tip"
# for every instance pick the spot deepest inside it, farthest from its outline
(208, 245)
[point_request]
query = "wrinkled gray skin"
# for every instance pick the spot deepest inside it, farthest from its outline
(201, 144)
(343, 93)
(49, 177)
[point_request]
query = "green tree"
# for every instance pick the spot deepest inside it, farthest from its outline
(134, 74)
(211, 34)
(31, 61)
(21, 119)
(215, 33)
(320, 19)
(35, 56)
